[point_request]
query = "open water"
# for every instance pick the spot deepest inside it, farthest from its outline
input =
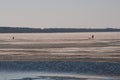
(59, 70)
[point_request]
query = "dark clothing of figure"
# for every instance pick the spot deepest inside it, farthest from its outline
(13, 38)
(92, 36)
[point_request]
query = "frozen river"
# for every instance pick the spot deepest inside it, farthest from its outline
(60, 56)
(60, 46)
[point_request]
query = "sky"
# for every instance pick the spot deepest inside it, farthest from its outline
(60, 13)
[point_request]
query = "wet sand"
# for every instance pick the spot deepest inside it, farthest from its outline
(60, 47)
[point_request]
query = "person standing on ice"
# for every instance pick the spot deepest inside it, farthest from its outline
(93, 36)
(13, 37)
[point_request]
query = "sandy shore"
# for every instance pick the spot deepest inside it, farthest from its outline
(60, 47)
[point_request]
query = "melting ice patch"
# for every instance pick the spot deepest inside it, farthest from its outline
(49, 76)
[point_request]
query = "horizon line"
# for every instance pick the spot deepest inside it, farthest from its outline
(61, 27)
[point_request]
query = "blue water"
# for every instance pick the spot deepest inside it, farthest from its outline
(31, 70)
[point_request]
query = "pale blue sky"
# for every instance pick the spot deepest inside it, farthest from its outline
(60, 13)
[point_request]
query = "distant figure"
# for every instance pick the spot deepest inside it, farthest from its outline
(13, 37)
(93, 36)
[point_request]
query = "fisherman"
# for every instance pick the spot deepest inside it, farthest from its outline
(93, 36)
(13, 37)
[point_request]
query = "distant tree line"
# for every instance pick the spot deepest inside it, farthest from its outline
(53, 30)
